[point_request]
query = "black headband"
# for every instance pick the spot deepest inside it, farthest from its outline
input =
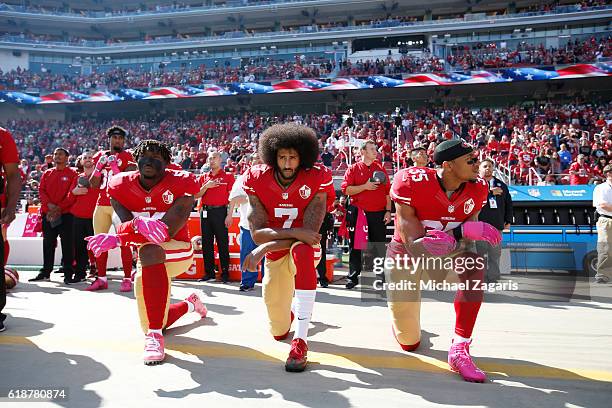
(450, 150)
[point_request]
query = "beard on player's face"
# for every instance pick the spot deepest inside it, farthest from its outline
(287, 174)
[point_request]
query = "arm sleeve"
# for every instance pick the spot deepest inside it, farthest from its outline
(193, 186)
(597, 197)
(401, 190)
(349, 179)
(238, 188)
(8, 148)
(509, 206)
(249, 183)
(42, 193)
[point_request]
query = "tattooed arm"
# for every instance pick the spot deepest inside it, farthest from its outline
(315, 212)
(177, 215)
(261, 233)
(123, 213)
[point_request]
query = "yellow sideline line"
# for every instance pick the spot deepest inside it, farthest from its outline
(410, 362)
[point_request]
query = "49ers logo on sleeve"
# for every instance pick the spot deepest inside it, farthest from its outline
(468, 206)
(305, 191)
(168, 197)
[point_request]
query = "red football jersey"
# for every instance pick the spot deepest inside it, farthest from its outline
(419, 188)
(285, 207)
(125, 188)
(330, 189)
(123, 160)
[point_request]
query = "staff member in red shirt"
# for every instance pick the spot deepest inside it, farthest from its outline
(214, 218)
(85, 199)
(9, 160)
(369, 196)
(56, 202)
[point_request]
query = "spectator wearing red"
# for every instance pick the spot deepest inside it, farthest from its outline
(580, 171)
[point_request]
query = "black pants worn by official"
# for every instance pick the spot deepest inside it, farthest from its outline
(326, 227)
(377, 232)
(50, 234)
(82, 227)
(213, 228)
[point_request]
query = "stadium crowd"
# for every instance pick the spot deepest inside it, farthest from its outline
(490, 56)
(465, 58)
(541, 144)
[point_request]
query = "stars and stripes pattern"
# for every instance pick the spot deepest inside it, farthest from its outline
(315, 85)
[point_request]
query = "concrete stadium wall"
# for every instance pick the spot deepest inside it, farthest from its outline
(10, 60)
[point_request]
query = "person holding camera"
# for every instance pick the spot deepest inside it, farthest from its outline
(85, 199)
(367, 184)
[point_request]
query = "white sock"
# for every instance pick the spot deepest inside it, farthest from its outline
(102, 278)
(459, 339)
(190, 306)
(304, 302)
(155, 331)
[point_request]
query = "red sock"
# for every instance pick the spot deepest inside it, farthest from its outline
(467, 302)
(155, 294)
(126, 261)
(101, 264)
(306, 274)
(92, 259)
(175, 311)
(7, 249)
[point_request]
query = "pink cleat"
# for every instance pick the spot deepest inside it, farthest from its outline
(154, 349)
(460, 361)
(126, 285)
(98, 284)
(198, 306)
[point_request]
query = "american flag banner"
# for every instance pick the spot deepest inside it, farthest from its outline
(500, 75)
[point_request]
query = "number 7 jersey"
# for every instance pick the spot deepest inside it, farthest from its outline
(419, 188)
(285, 207)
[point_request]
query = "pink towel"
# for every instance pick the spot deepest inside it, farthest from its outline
(361, 230)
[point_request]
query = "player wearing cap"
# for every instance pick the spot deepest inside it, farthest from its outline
(110, 163)
(437, 217)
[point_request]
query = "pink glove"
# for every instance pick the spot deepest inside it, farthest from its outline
(99, 166)
(112, 162)
(153, 230)
(100, 243)
(481, 231)
(438, 243)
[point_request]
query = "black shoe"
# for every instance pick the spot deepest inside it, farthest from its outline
(351, 284)
(244, 288)
(324, 283)
(74, 279)
(206, 278)
(2, 328)
(40, 277)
